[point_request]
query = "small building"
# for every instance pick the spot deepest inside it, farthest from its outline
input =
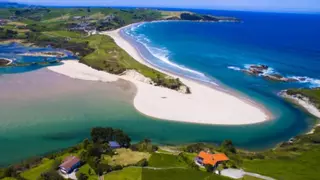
(77, 17)
(205, 158)
(70, 164)
(114, 144)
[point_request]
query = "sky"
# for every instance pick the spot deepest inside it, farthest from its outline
(259, 5)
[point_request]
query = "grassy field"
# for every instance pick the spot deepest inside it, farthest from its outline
(35, 172)
(132, 173)
(304, 166)
(179, 174)
(126, 157)
(166, 160)
(109, 57)
(9, 178)
(172, 14)
(87, 170)
(250, 178)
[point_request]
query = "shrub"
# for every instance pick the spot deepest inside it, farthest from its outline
(209, 168)
(51, 175)
(56, 164)
(142, 163)
(117, 168)
(82, 176)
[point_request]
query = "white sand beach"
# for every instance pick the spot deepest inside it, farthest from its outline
(205, 105)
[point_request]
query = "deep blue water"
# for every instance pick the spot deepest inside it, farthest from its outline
(213, 52)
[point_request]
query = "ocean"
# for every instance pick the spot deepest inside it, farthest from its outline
(42, 111)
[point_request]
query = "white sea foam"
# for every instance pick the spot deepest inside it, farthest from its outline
(268, 71)
(234, 68)
(304, 79)
(265, 72)
(163, 55)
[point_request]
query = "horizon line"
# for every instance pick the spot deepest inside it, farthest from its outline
(182, 8)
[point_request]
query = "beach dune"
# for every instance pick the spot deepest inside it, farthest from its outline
(205, 105)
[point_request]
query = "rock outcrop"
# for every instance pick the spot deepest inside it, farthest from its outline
(137, 76)
(260, 70)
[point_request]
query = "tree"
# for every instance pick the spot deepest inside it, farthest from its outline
(142, 163)
(82, 176)
(56, 164)
(101, 134)
(144, 146)
(85, 143)
(122, 138)
(227, 146)
(51, 175)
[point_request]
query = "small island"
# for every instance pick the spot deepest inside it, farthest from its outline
(260, 70)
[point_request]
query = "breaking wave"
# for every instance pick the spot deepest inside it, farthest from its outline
(307, 80)
(163, 54)
(234, 68)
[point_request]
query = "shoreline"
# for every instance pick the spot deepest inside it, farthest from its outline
(205, 104)
(52, 54)
(305, 104)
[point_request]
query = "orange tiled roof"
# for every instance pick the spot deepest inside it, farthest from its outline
(212, 159)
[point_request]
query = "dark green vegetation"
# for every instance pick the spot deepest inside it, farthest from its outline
(200, 17)
(297, 159)
(312, 94)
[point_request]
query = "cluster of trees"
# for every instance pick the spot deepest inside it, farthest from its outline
(144, 146)
(8, 34)
(190, 17)
(98, 146)
(100, 134)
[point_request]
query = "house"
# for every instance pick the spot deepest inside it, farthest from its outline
(3, 22)
(77, 17)
(70, 164)
(114, 144)
(205, 158)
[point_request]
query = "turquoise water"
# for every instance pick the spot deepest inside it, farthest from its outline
(41, 111)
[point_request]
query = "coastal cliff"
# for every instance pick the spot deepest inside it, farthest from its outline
(309, 99)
